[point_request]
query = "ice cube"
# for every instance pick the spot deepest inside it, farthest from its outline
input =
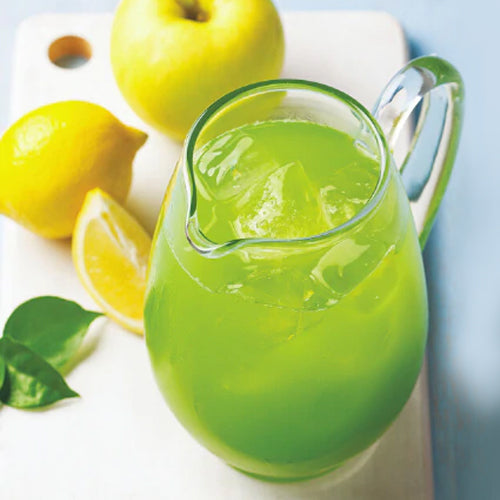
(349, 190)
(284, 205)
(230, 165)
(334, 269)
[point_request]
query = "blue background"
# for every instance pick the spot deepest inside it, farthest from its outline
(462, 256)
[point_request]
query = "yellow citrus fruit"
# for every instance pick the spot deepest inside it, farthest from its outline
(110, 252)
(54, 155)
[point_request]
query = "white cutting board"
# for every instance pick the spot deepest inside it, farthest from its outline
(120, 441)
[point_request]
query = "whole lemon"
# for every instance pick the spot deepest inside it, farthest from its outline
(54, 155)
(172, 58)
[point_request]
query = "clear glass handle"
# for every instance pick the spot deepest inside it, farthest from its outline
(438, 87)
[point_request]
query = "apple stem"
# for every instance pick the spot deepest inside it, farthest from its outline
(192, 10)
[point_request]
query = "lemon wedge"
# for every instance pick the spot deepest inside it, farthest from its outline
(110, 252)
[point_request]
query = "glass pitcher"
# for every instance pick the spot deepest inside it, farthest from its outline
(286, 357)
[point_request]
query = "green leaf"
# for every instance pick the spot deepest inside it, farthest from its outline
(30, 381)
(51, 327)
(2, 371)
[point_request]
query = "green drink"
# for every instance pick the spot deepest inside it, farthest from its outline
(288, 352)
(286, 310)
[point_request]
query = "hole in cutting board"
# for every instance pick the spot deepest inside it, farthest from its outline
(70, 52)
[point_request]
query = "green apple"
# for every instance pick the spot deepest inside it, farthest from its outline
(172, 58)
